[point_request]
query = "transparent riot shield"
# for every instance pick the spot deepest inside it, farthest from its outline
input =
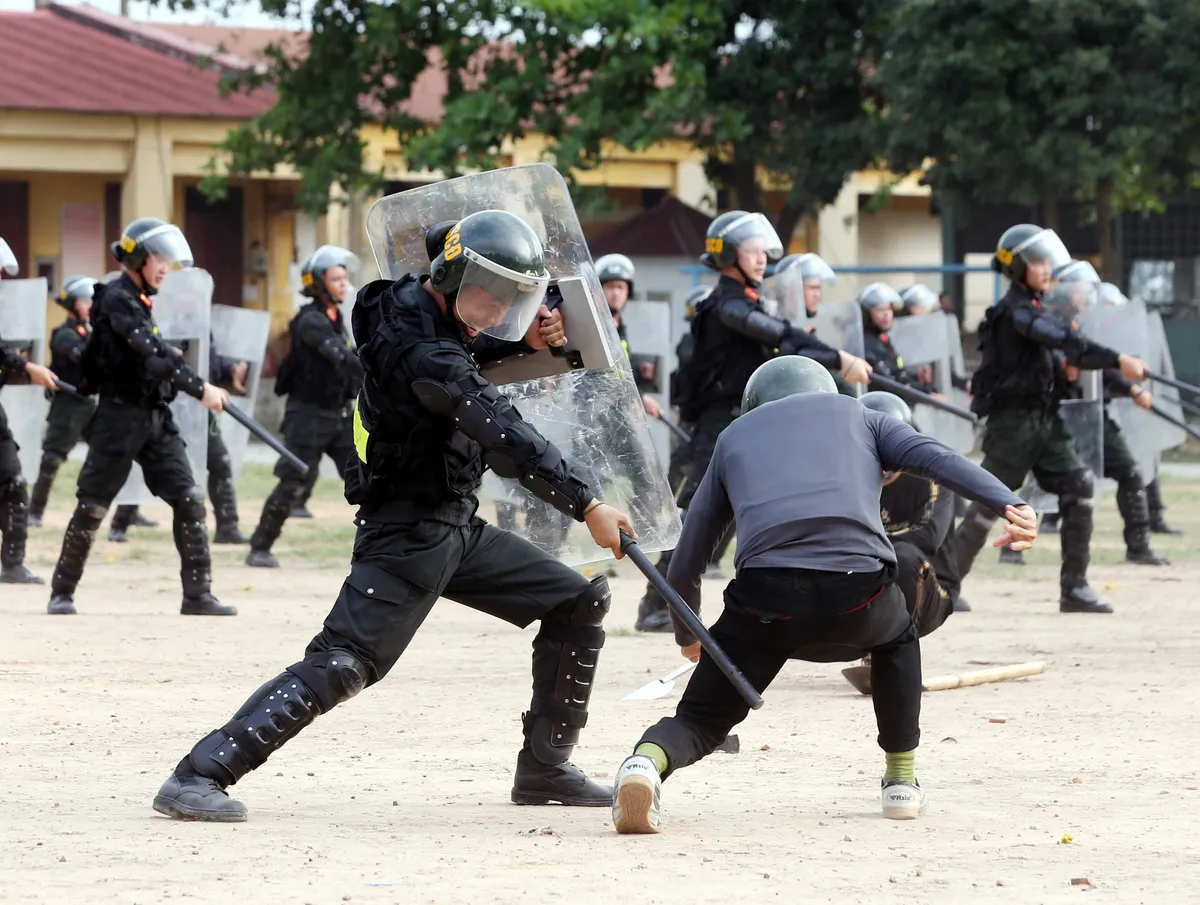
(240, 334)
(181, 312)
(1084, 420)
(585, 393)
(933, 340)
(652, 357)
(23, 328)
(1129, 328)
(837, 324)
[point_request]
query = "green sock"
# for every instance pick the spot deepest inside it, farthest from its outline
(900, 766)
(659, 756)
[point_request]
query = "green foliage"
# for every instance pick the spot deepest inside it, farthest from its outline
(755, 85)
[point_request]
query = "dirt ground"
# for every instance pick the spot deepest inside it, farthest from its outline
(1088, 772)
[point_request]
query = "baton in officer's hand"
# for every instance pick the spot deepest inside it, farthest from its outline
(692, 621)
(1171, 419)
(1172, 382)
(680, 434)
(263, 434)
(68, 388)
(910, 395)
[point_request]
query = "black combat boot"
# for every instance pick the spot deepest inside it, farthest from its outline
(275, 512)
(77, 543)
(1131, 502)
(224, 502)
(195, 561)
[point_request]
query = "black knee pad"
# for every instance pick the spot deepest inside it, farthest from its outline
(1076, 488)
(277, 712)
(13, 490)
(579, 619)
(190, 507)
(91, 512)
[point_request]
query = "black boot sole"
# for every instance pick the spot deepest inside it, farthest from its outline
(172, 808)
(519, 796)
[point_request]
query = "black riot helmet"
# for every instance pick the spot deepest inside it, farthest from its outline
(785, 376)
(492, 272)
(611, 268)
(729, 231)
(75, 288)
(8, 261)
(148, 236)
(325, 258)
(1024, 244)
(694, 299)
(888, 404)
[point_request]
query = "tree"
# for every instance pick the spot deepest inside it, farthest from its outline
(762, 88)
(1031, 101)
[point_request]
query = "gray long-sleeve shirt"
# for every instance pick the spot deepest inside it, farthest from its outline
(801, 478)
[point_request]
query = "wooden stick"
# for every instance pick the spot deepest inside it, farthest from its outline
(983, 676)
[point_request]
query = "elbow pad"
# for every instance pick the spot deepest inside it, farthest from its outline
(755, 324)
(511, 447)
(1047, 331)
(142, 341)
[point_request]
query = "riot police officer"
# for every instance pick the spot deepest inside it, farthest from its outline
(14, 496)
(815, 275)
(320, 376)
(426, 426)
(69, 414)
(1015, 387)
(879, 303)
(733, 336)
(136, 375)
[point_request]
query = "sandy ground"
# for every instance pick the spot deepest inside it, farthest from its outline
(401, 795)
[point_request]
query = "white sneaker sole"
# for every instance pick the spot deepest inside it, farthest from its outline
(904, 810)
(635, 806)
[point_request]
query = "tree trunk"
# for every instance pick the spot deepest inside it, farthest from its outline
(1104, 231)
(1050, 218)
(744, 180)
(786, 222)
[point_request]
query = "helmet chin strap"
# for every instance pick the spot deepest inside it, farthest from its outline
(753, 284)
(146, 287)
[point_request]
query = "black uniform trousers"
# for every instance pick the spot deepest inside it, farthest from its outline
(708, 428)
(1016, 442)
(399, 571)
(119, 434)
(310, 432)
(14, 500)
(68, 418)
(775, 615)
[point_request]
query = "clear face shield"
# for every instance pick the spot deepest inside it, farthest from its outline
(1043, 252)
(8, 261)
(919, 300)
(814, 270)
(754, 233)
(166, 245)
(497, 301)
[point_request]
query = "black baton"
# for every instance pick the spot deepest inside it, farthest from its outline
(1171, 419)
(630, 548)
(680, 434)
(908, 394)
(263, 434)
(69, 389)
(1172, 382)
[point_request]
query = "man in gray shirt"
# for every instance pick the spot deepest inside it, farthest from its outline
(800, 475)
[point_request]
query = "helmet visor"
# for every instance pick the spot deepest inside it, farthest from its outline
(332, 256)
(1043, 247)
(813, 267)
(754, 232)
(167, 244)
(78, 288)
(1073, 296)
(8, 260)
(919, 299)
(497, 301)
(615, 267)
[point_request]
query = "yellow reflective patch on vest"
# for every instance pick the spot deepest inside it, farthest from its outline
(156, 329)
(899, 362)
(361, 436)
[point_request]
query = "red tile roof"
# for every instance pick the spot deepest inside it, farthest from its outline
(670, 229)
(52, 62)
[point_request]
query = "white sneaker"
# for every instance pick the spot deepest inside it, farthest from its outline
(903, 800)
(636, 796)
